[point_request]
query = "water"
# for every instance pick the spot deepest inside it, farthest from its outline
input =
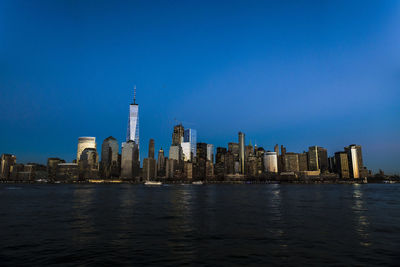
(200, 225)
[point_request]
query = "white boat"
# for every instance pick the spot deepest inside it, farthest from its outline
(198, 182)
(152, 183)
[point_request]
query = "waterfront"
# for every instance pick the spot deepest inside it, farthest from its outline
(129, 224)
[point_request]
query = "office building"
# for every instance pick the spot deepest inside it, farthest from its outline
(290, 162)
(170, 166)
(133, 122)
(342, 164)
(352, 156)
(190, 135)
(303, 162)
(7, 161)
(177, 135)
(242, 152)
(130, 165)
(175, 153)
(149, 164)
(187, 151)
(317, 159)
(52, 164)
(161, 163)
(67, 172)
(210, 153)
(109, 165)
(270, 162)
(188, 170)
(83, 143)
(89, 164)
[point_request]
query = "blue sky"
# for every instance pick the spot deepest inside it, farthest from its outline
(297, 73)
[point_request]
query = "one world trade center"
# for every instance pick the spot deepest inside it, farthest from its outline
(133, 122)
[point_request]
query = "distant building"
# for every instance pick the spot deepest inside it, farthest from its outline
(83, 143)
(342, 164)
(89, 164)
(249, 151)
(133, 122)
(187, 151)
(161, 163)
(188, 170)
(170, 167)
(201, 151)
(151, 149)
(290, 162)
(149, 164)
(251, 165)
(210, 153)
(190, 135)
(67, 172)
(317, 159)
(242, 152)
(52, 164)
(303, 162)
(149, 168)
(352, 156)
(175, 152)
(177, 135)
(221, 151)
(6, 162)
(362, 170)
(271, 162)
(109, 165)
(130, 165)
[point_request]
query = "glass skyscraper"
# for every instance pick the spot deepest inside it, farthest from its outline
(190, 135)
(133, 122)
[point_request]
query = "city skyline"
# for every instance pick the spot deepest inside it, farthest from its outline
(325, 81)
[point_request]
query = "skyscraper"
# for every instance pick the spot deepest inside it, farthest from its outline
(352, 154)
(317, 159)
(241, 153)
(149, 164)
(52, 164)
(210, 153)
(130, 166)
(190, 135)
(270, 162)
(161, 163)
(342, 164)
(177, 135)
(83, 143)
(89, 164)
(6, 161)
(109, 165)
(133, 121)
(151, 149)
(187, 151)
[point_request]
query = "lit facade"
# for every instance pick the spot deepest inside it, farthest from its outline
(190, 135)
(83, 143)
(270, 162)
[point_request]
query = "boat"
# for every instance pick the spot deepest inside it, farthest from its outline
(198, 182)
(152, 183)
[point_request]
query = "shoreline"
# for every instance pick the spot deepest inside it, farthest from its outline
(205, 182)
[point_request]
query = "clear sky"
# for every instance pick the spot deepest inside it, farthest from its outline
(297, 73)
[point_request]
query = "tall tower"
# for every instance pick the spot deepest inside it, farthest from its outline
(133, 122)
(241, 152)
(151, 149)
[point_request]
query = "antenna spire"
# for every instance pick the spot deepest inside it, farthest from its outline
(134, 94)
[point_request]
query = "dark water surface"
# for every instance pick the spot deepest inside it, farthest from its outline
(200, 225)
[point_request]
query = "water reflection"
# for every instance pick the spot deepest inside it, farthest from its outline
(274, 208)
(180, 220)
(82, 223)
(359, 210)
